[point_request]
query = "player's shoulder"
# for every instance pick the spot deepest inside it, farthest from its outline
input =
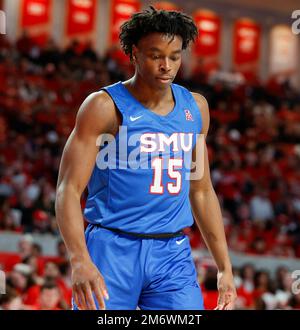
(202, 105)
(200, 100)
(97, 101)
(204, 110)
(97, 109)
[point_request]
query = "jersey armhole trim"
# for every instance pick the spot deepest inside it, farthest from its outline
(123, 115)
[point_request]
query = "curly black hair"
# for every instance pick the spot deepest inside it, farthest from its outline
(152, 20)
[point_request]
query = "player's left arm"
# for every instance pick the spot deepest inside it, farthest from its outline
(207, 213)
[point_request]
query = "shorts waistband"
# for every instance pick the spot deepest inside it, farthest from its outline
(139, 235)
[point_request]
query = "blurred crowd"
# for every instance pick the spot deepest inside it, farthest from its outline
(253, 146)
(37, 282)
(256, 288)
(254, 151)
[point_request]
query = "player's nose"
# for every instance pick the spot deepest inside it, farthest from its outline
(165, 65)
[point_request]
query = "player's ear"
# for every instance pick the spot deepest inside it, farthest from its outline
(134, 52)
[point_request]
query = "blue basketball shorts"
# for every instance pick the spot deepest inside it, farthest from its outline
(152, 274)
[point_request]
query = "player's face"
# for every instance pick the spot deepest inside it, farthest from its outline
(158, 58)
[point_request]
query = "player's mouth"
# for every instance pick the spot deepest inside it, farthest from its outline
(165, 79)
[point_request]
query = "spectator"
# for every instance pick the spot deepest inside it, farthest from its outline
(262, 284)
(36, 265)
(261, 206)
(49, 297)
(294, 301)
(25, 246)
(37, 250)
(245, 290)
(210, 289)
(22, 281)
(61, 249)
(11, 300)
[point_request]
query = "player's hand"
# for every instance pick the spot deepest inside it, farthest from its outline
(86, 282)
(227, 291)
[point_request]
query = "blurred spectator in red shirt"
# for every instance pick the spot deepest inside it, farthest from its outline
(49, 297)
(245, 291)
(52, 274)
(210, 289)
(20, 278)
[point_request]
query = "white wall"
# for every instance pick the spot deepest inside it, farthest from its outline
(102, 26)
(58, 24)
(11, 9)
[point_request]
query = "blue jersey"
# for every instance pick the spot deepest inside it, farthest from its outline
(140, 182)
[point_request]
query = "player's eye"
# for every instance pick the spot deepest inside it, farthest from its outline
(155, 57)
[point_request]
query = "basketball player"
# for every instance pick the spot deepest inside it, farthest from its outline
(134, 253)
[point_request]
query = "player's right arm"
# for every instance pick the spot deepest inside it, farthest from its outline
(97, 115)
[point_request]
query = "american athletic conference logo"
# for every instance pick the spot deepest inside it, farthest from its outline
(188, 115)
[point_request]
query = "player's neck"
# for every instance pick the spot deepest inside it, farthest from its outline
(147, 94)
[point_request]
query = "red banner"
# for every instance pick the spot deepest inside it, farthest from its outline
(165, 5)
(121, 11)
(80, 16)
(35, 12)
(246, 42)
(209, 27)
